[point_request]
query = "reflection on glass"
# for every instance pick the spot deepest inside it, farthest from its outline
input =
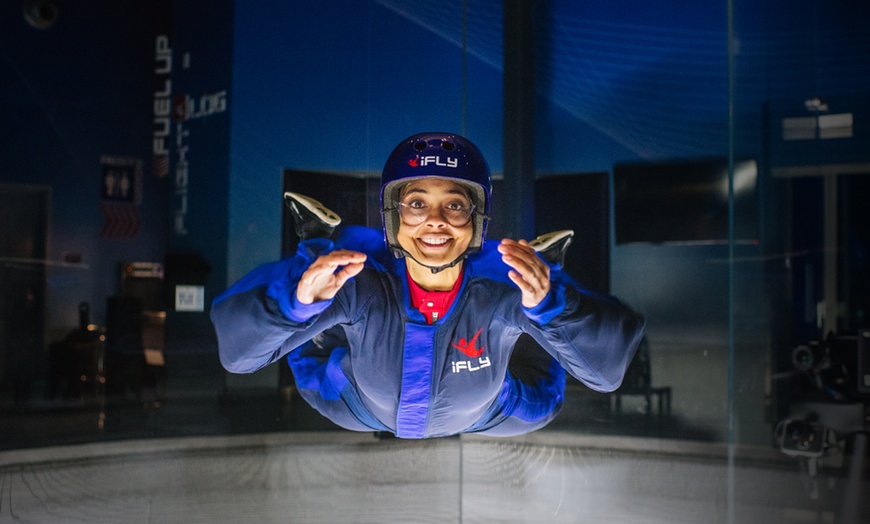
(203, 126)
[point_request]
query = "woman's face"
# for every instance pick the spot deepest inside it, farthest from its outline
(430, 210)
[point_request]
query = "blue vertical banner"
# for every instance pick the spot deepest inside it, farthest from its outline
(192, 127)
(198, 114)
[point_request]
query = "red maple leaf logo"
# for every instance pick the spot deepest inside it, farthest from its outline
(469, 346)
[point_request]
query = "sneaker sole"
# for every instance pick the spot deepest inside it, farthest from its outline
(322, 212)
(543, 242)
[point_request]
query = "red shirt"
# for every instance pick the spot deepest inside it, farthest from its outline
(433, 304)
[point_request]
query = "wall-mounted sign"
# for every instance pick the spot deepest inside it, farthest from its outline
(121, 180)
(189, 298)
(121, 194)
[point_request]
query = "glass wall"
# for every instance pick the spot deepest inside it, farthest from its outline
(797, 95)
(712, 161)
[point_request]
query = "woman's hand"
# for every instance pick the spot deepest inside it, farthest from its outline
(327, 274)
(529, 273)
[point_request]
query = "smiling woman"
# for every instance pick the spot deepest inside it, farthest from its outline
(424, 346)
(435, 230)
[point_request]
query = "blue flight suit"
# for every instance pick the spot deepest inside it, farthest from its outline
(392, 371)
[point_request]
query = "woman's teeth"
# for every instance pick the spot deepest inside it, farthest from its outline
(434, 241)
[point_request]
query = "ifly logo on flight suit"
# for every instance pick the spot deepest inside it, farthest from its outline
(470, 349)
(423, 161)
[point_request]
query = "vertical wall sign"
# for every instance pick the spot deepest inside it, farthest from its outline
(162, 105)
(185, 109)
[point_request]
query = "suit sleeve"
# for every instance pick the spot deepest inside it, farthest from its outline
(593, 336)
(258, 320)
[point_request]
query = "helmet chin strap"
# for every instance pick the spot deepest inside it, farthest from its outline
(433, 269)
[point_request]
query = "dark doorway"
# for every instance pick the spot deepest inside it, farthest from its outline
(23, 239)
(854, 252)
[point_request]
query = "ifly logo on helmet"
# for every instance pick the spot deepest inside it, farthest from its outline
(419, 161)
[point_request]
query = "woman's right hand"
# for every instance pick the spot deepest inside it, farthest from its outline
(327, 274)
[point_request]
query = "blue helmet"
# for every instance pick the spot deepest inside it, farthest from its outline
(442, 155)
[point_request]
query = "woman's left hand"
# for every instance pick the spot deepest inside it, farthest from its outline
(529, 273)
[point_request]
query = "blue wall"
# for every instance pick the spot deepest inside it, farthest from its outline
(335, 86)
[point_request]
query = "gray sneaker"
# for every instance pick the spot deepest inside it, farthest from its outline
(311, 218)
(553, 246)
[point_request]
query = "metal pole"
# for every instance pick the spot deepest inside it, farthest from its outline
(519, 112)
(831, 302)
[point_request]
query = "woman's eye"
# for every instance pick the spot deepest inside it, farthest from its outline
(456, 206)
(416, 204)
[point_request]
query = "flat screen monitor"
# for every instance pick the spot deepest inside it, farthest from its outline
(684, 202)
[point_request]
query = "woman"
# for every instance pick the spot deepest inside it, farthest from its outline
(421, 345)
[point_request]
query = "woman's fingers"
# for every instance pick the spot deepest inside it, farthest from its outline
(327, 274)
(530, 274)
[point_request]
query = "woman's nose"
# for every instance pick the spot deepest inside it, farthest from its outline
(436, 215)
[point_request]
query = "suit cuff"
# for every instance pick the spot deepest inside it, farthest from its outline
(549, 308)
